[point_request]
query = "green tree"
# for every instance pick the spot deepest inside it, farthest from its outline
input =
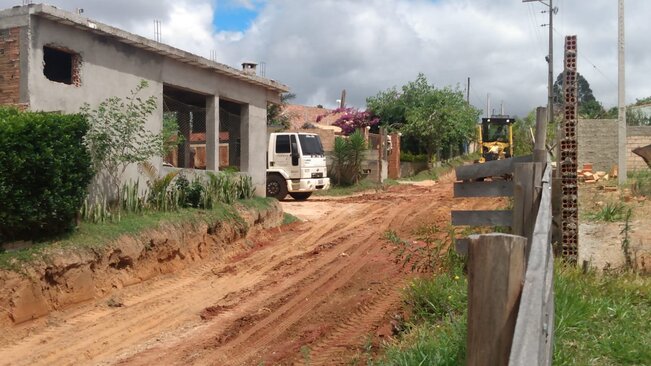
(438, 120)
(523, 131)
(589, 106)
(275, 115)
(118, 135)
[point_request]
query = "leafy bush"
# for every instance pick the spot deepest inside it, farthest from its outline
(407, 156)
(347, 159)
(44, 173)
(118, 135)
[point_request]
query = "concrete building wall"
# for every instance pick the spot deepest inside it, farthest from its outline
(598, 144)
(110, 68)
(107, 69)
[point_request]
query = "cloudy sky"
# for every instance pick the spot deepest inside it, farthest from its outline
(320, 47)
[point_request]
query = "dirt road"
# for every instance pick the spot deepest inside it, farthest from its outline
(319, 290)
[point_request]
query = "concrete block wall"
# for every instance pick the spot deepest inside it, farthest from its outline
(638, 136)
(10, 66)
(597, 141)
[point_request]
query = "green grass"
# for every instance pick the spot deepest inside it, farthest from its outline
(610, 212)
(289, 218)
(91, 235)
(365, 185)
(640, 182)
(436, 332)
(602, 319)
(446, 167)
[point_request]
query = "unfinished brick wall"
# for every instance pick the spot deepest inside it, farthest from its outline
(10, 66)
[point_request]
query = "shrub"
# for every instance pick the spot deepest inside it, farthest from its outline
(347, 159)
(44, 173)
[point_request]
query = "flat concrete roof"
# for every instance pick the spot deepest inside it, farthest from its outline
(77, 21)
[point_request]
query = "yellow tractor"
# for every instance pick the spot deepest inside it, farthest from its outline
(495, 138)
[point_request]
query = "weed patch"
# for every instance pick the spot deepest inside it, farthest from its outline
(610, 212)
(601, 319)
(95, 235)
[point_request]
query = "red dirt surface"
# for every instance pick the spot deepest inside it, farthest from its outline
(320, 291)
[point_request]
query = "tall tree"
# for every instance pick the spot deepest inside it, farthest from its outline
(437, 119)
(589, 106)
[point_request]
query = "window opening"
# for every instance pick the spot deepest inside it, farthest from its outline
(61, 66)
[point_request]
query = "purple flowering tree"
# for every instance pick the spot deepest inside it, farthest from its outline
(352, 119)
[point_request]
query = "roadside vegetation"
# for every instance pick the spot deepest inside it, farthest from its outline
(600, 318)
(435, 332)
(48, 161)
(89, 235)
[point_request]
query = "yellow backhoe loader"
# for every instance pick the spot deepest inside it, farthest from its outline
(495, 138)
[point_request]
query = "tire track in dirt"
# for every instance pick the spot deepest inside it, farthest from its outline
(328, 351)
(163, 292)
(324, 263)
(258, 295)
(335, 277)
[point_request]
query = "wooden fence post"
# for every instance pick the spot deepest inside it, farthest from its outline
(526, 198)
(496, 265)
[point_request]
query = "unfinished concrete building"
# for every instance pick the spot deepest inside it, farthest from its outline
(53, 60)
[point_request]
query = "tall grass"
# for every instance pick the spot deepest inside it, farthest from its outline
(436, 332)
(171, 192)
(640, 182)
(602, 319)
(610, 212)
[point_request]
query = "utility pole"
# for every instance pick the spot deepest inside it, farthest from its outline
(468, 91)
(621, 96)
(550, 58)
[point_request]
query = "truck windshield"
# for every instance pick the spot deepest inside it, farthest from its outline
(310, 144)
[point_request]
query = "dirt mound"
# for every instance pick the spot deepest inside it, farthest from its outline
(70, 276)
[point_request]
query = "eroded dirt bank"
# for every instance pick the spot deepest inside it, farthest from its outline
(321, 292)
(74, 275)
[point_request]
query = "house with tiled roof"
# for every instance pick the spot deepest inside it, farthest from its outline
(302, 115)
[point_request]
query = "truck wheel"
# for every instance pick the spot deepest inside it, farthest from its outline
(276, 187)
(300, 196)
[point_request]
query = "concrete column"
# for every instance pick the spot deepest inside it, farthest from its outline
(212, 132)
(254, 145)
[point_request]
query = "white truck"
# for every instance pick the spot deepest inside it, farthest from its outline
(296, 164)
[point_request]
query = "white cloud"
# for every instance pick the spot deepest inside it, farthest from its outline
(320, 47)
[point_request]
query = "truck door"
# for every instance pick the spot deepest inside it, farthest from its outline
(282, 157)
(295, 159)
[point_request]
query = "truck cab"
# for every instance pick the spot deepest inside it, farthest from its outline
(296, 165)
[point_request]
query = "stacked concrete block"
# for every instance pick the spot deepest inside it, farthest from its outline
(569, 156)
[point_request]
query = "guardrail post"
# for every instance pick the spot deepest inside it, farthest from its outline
(496, 265)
